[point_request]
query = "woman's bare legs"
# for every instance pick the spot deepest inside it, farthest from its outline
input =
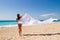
(20, 29)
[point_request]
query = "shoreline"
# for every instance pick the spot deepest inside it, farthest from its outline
(13, 25)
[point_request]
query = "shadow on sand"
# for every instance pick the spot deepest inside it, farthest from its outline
(49, 34)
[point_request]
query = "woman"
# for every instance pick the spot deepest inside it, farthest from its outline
(19, 23)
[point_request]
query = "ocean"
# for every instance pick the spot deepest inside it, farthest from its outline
(9, 23)
(26, 20)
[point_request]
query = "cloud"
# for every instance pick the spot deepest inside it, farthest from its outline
(48, 15)
(45, 15)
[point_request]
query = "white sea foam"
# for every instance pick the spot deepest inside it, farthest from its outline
(8, 26)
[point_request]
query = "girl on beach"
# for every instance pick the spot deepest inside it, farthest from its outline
(19, 23)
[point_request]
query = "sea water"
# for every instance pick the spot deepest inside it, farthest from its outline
(26, 20)
(9, 23)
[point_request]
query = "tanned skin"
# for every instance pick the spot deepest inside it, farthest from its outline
(19, 25)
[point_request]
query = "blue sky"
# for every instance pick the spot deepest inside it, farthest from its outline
(36, 8)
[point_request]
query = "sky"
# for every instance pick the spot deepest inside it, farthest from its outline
(39, 9)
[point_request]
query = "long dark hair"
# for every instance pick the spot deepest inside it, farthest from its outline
(18, 16)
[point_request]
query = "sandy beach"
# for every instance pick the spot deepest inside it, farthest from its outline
(48, 31)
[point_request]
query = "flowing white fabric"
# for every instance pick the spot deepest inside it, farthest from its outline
(27, 19)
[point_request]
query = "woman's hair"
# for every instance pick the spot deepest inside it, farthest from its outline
(18, 16)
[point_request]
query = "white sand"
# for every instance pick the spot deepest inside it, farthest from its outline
(34, 32)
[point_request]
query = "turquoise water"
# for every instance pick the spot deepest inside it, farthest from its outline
(56, 21)
(7, 22)
(13, 22)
